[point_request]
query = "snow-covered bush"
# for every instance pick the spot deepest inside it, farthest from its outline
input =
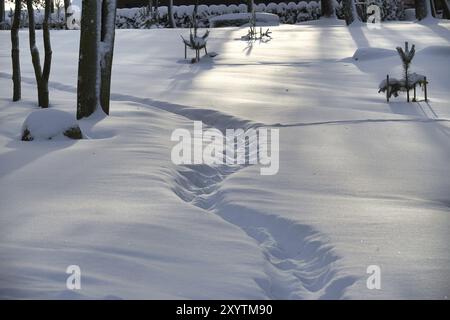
(288, 12)
(390, 9)
(48, 124)
(261, 7)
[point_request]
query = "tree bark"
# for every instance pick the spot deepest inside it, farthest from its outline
(107, 38)
(17, 90)
(250, 6)
(156, 11)
(88, 64)
(421, 9)
(327, 8)
(41, 79)
(170, 15)
(2, 15)
(66, 6)
(350, 12)
(47, 54)
(150, 9)
(446, 8)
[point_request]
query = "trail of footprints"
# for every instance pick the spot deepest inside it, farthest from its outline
(299, 264)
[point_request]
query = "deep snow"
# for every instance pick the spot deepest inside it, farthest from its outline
(361, 182)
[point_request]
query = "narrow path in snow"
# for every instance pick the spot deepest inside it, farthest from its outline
(299, 263)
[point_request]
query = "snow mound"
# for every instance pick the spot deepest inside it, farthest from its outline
(362, 54)
(436, 50)
(241, 19)
(47, 124)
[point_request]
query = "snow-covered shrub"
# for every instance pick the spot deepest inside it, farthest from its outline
(390, 9)
(261, 7)
(288, 12)
(242, 8)
(272, 8)
(232, 8)
(394, 10)
(302, 5)
(47, 124)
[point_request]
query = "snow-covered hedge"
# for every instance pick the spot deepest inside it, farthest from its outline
(289, 12)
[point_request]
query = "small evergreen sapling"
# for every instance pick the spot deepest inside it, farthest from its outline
(410, 80)
(406, 56)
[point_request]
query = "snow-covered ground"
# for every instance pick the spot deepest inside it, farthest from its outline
(361, 181)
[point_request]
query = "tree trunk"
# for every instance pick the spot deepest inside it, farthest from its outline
(250, 6)
(42, 82)
(17, 92)
(350, 12)
(107, 38)
(327, 8)
(47, 54)
(150, 9)
(88, 69)
(446, 8)
(433, 8)
(170, 15)
(156, 11)
(422, 9)
(2, 15)
(66, 6)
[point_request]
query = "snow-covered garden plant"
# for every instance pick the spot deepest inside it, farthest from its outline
(409, 80)
(195, 42)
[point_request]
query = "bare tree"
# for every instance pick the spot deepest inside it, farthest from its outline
(41, 76)
(96, 55)
(327, 8)
(15, 56)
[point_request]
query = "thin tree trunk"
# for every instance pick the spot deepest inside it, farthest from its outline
(170, 15)
(107, 38)
(350, 12)
(47, 54)
(156, 11)
(446, 8)
(17, 92)
(150, 9)
(66, 6)
(327, 8)
(2, 15)
(250, 6)
(88, 66)
(433, 8)
(35, 53)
